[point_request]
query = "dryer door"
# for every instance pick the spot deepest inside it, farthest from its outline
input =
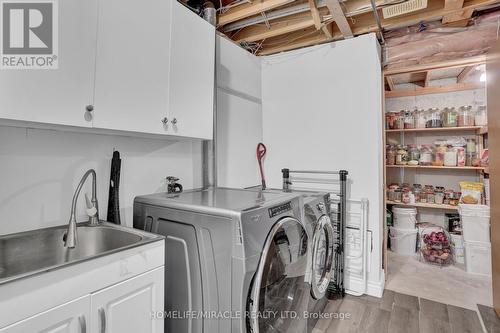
(280, 292)
(322, 257)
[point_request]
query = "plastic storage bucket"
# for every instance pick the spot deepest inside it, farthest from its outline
(403, 241)
(475, 222)
(478, 257)
(458, 248)
(404, 217)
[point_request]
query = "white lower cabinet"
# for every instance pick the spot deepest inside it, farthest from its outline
(71, 317)
(129, 307)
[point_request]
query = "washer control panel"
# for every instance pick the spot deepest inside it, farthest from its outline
(277, 210)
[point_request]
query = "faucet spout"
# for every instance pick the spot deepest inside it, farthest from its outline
(71, 235)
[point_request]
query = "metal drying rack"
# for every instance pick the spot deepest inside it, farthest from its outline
(336, 287)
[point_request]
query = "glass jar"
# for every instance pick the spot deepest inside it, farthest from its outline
(390, 120)
(426, 155)
(405, 196)
(465, 116)
(409, 120)
(400, 120)
(439, 155)
(401, 155)
(419, 116)
(450, 157)
(433, 118)
(460, 156)
(397, 195)
(471, 146)
(413, 155)
(429, 191)
(439, 195)
(448, 194)
(481, 117)
(449, 117)
(470, 158)
(390, 155)
(417, 191)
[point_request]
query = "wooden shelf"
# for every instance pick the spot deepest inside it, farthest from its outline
(417, 91)
(423, 205)
(479, 129)
(435, 167)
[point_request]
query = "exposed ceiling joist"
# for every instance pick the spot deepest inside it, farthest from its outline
(315, 14)
(246, 10)
(427, 78)
(463, 74)
(390, 83)
(339, 18)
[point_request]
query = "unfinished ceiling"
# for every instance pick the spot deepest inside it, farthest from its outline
(271, 26)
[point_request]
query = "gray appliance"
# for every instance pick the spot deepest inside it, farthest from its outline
(316, 218)
(235, 260)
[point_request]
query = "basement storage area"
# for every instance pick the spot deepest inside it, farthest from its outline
(250, 166)
(437, 182)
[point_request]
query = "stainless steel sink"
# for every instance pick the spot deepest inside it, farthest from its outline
(27, 253)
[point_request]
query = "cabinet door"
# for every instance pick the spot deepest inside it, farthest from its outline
(191, 74)
(130, 306)
(133, 52)
(57, 96)
(72, 317)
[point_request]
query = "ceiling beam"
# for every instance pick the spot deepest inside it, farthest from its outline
(339, 18)
(315, 14)
(277, 27)
(427, 78)
(365, 23)
(390, 83)
(246, 10)
(464, 73)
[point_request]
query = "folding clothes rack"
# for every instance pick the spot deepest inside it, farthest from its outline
(338, 216)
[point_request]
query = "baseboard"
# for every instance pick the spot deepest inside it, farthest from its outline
(354, 286)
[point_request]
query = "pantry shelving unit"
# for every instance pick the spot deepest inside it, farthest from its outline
(424, 205)
(436, 167)
(416, 81)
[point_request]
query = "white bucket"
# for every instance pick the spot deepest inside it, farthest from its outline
(478, 257)
(458, 248)
(475, 222)
(404, 217)
(403, 241)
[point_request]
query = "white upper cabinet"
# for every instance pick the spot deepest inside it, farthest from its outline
(191, 75)
(57, 96)
(133, 52)
(72, 317)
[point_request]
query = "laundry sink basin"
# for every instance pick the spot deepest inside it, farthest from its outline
(33, 252)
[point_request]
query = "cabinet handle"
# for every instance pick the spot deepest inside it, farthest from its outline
(164, 121)
(174, 121)
(83, 324)
(89, 108)
(102, 317)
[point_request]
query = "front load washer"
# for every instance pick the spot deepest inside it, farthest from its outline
(235, 260)
(316, 218)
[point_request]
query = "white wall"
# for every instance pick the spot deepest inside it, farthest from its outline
(41, 168)
(322, 111)
(239, 115)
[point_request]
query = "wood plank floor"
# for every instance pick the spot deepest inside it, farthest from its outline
(398, 313)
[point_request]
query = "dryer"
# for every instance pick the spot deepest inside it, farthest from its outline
(235, 260)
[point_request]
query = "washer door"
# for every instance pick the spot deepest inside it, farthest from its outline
(322, 257)
(280, 291)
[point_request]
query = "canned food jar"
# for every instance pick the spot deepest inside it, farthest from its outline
(450, 117)
(465, 116)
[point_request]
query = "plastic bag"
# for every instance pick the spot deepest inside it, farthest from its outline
(471, 192)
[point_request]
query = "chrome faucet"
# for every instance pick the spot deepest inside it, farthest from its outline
(93, 210)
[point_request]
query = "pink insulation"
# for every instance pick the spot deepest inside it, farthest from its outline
(407, 46)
